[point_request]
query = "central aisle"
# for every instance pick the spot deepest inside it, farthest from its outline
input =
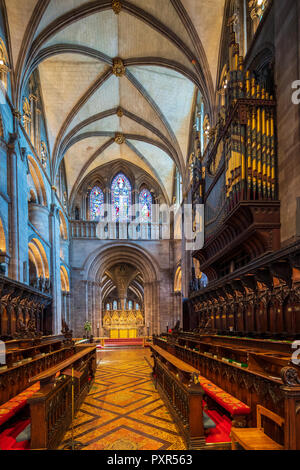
(123, 410)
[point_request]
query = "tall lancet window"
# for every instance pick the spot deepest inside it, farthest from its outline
(96, 203)
(145, 201)
(121, 198)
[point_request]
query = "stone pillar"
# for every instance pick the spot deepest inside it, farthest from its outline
(55, 267)
(14, 270)
(63, 305)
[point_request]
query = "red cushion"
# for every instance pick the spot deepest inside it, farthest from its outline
(234, 406)
(12, 407)
(7, 442)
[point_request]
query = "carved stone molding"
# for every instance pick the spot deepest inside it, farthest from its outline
(119, 139)
(120, 112)
(116, 6)
(118, 67)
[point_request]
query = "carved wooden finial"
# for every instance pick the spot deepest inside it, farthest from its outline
(116, 6)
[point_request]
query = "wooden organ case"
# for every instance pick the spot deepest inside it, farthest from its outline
(253, 282)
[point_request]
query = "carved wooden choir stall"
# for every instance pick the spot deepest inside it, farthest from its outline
(234, 354)
(35, 383)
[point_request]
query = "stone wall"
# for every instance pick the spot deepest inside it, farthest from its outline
(154, 259)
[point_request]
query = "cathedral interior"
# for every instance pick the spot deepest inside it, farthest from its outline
(150, 224)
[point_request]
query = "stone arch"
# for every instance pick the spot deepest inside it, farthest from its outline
(178, 280)
(3, 245)
(38, 258)
(36, 182)
(64, 279)
(63, 228)
(114, 253)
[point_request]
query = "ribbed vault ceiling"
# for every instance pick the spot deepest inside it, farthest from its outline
(169, 47)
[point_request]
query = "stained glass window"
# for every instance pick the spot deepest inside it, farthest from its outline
(203, 280)
(121, 198)
(115, 305)
(145, 200)
(96, 203)
(107, 307)
(130, 305)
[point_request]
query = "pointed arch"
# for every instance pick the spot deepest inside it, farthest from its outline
(2, 238)
(178, 280)
(38, 182)
(64, 279)
(38, 257)
(63, 229)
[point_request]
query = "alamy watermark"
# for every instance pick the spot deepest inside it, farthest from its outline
(296, 93)
(296, 354)
(159, 221)
(2, 354)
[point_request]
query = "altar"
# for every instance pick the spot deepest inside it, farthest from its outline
(123, 324)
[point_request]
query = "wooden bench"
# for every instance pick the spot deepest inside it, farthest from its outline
(255, 438)
(236, 408)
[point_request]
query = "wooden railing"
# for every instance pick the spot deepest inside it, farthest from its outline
(175, 382)
(51, 407)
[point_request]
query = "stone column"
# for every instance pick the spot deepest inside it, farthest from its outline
(63, 305)
(55, 266)
(14, 267)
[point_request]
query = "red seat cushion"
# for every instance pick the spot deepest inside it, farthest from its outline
(231, 404)
(11, 407)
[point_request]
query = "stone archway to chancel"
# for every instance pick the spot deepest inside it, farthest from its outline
(112, 255)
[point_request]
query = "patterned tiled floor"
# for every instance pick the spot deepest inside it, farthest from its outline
(123, 410)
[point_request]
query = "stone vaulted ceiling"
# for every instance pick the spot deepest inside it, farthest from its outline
(168, 49)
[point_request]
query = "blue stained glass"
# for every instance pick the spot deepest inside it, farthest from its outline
(121, 198)
(145, 200)
(96, 203)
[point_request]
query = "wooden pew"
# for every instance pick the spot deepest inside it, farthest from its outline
(257, 372)
(51, 407)
(28, 357)
(237, 410)
(175, 381)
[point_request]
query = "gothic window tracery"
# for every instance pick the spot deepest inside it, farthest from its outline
(96, 203)
(44, 154)
(121, 198)
(4, 64)
(26, 116)
(145, 201)
(257, 9)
